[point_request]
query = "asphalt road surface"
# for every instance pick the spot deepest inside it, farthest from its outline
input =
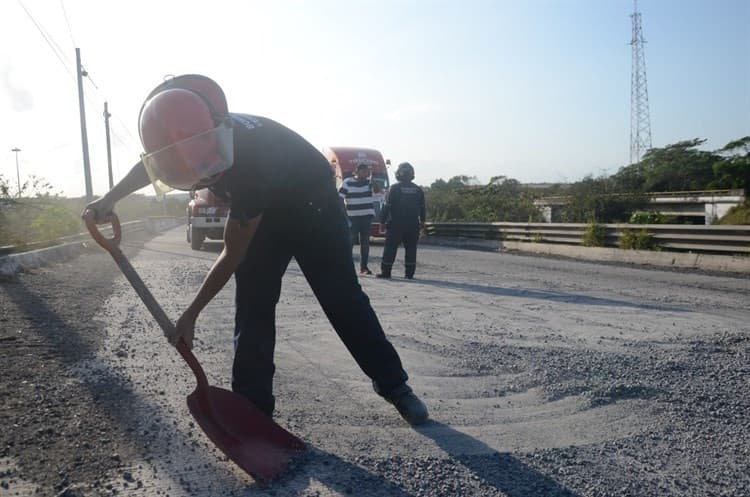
(543, 377)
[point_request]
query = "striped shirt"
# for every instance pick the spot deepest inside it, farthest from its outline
(357, 195)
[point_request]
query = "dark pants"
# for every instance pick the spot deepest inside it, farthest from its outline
(360, 229)
(316, 234)
(395, 236)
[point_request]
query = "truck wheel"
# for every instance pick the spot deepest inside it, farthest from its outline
(196, 238)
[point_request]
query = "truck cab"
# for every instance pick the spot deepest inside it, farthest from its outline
(206, 216)
(344, 161)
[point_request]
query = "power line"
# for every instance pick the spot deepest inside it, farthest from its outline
(70, 31)
(125, 127)
(134, 144)
(90, 80)
(48, 38)
(59, 53)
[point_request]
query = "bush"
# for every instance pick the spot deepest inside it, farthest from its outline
(737, 215)
(460, 199)
(54, 221)
(595, 198)
(644, 217)
(642, 240)
(41, 219)
(36, 220)
(595, 235)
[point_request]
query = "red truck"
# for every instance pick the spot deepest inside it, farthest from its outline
(206, 215)
(344, 161)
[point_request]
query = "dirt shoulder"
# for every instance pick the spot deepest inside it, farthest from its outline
(58, 436)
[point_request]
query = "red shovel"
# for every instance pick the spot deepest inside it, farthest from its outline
(243, 432)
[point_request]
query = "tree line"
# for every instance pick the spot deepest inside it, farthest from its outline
(620, 197)
(37, 212)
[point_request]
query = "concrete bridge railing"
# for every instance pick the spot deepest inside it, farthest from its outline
(707, 204)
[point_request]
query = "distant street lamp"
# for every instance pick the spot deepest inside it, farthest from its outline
(18, 175)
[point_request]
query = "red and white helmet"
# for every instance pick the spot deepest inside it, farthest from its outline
(186, 142)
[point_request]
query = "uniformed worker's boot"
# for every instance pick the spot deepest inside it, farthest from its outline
(410, 407)
(385, 272)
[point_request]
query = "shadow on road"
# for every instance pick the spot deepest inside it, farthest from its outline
(503, 471)
(138, 423)
(64, 341)
(570, 298)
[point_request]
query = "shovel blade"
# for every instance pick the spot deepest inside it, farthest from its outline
(243, 432)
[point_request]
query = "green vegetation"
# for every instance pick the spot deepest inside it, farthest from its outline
(39, 215)
(737, 215)
(595, 235)
(36, 213)
(681, 166)
(641, 240)
(460, 199)
(644, 217)
(733, 170)
(597, 199)
(618, 198)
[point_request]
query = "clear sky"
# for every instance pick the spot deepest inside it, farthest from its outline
(536, 90)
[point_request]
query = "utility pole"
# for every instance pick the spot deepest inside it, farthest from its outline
(640, 121)
(109, 148)
(84, 139)
(18, 174)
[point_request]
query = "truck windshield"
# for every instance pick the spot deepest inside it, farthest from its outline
(380, 182)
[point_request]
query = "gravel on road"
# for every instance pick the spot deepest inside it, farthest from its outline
(544, 378)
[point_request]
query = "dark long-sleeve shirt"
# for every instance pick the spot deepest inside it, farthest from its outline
(404, 205)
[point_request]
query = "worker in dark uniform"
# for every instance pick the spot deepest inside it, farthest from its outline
(284, 205)
(401, 218)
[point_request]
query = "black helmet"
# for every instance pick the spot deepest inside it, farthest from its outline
(404, 172)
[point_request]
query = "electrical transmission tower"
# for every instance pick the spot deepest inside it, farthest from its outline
(640, 122)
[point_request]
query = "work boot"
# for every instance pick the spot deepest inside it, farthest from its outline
(410, 407)
(384, 273)
(365, 270)
(409, 276)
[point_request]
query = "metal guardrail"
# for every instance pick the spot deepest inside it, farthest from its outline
(675, 237)
(732, 239)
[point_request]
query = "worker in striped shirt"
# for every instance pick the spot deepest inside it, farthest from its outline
(356, 193)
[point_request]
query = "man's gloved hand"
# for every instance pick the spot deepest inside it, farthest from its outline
(101, 209)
